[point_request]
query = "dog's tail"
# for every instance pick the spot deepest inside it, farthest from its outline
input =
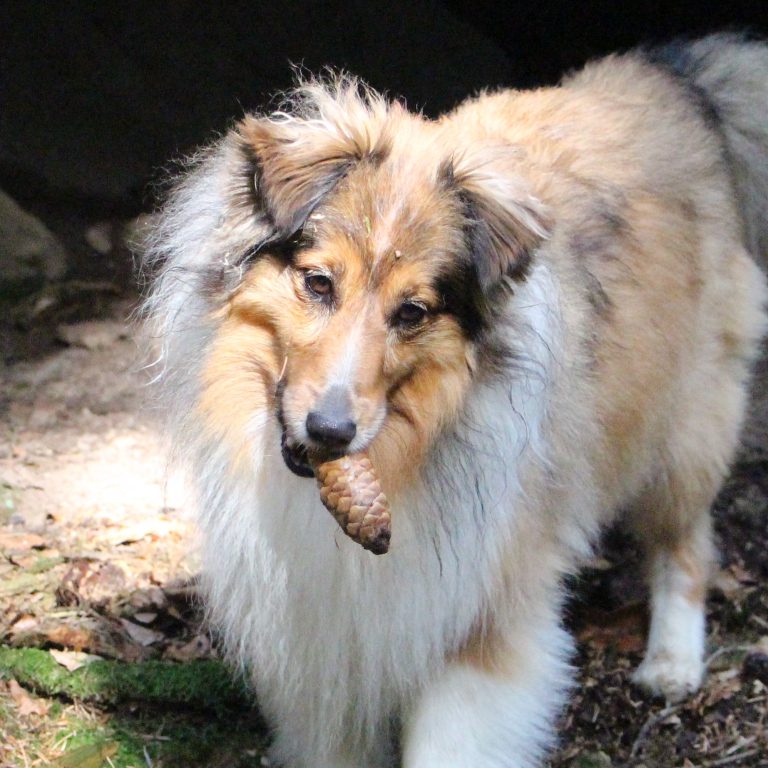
(729, 74)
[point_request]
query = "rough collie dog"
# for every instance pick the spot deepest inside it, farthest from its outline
(531, 313)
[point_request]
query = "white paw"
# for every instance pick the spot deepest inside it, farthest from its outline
(671, 676)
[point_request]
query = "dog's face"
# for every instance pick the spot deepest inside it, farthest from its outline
(361, 321)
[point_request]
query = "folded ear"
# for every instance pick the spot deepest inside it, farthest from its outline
(504, 221)
(299, 155)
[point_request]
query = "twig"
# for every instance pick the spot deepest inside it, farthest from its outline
(732, 758)
(650, 723)
(726, 649)
(759, 621)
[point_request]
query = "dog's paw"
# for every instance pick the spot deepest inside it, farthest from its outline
(672, 676)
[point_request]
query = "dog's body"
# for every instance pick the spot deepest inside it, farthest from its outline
(534, 312)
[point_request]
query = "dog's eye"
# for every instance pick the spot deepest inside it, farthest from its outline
(318, 285)
(409, 314)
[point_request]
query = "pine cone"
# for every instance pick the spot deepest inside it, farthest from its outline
(350, 490)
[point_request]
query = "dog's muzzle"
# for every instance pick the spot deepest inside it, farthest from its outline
(330, 428)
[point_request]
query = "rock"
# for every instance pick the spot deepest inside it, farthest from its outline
(99, 237)
(30, 255)
(92, 334)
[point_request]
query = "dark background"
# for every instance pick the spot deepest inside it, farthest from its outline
(96, 97)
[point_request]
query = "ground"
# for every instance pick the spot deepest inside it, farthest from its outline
(97, 570)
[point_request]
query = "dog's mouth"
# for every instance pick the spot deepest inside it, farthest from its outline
(296, 457)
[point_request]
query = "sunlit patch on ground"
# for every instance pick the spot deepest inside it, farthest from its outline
(97, 561)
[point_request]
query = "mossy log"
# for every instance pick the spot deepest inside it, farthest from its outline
(197, 684)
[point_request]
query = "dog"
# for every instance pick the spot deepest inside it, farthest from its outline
(532, 314)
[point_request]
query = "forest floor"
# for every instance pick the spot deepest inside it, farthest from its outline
(105, 661)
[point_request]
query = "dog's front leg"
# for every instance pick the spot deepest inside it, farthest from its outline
(494, 709)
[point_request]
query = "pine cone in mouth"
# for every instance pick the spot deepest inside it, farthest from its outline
(351, 492)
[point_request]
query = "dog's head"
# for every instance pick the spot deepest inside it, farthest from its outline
(366, 304)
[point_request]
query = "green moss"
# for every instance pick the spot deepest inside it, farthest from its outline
(43, 564)
(199, 684)
(190, 715)
(170, 739)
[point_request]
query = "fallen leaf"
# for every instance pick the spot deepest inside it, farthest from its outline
(36, 563)
(151, 528)
(94, 583)
(23, 625)
(73, 660)
(151, 599)
(28, 705)
(141, 635)
(197, 648)
(624, 628)
(23, 559)
(145, 617)
(721, 686)
(71, 636)
(20, 541)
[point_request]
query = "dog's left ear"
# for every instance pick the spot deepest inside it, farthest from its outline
(504, 221)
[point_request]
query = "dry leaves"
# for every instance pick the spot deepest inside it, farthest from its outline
(624, 628)
(92, 583)
(72, 660)
(141, 635)
(16, 542)
(26, 703)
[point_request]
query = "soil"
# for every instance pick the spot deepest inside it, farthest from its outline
(98, 556)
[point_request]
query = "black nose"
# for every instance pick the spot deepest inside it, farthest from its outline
(331, 423)
(330, 431)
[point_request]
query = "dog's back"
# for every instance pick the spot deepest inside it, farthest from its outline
(728, 76)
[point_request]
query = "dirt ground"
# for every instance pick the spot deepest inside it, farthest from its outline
(97, 557)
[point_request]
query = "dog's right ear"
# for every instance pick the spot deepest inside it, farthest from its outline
(298, 158)
(504, 220)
